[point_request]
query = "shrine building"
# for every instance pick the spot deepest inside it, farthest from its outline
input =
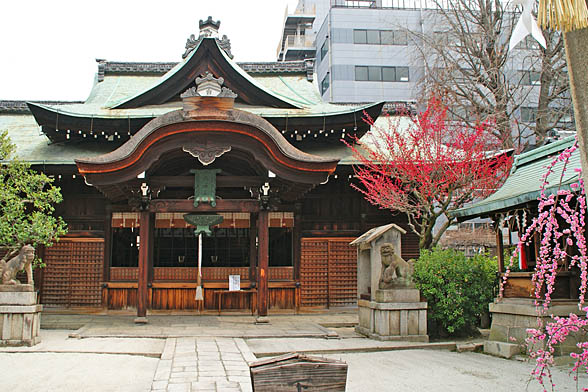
(247, 154)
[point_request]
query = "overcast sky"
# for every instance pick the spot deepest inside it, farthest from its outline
(48, 49)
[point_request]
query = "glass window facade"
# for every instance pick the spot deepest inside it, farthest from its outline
(378, 73)
(380, 37)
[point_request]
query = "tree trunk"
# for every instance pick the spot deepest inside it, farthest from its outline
(577, 58)
(426, 239)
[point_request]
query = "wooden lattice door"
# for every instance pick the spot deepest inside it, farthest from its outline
(73, 273)
(328, 272)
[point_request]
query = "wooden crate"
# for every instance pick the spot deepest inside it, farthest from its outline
(298, 372)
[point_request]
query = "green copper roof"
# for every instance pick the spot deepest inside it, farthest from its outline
(524, 182)
(292, 87)
(34, 147)
(251, 79)
(114, 88)
(153, 83)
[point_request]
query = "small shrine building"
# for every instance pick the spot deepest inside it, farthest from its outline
(251, 145)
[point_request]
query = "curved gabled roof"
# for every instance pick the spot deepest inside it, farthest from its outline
(235, 128)
(206, 57)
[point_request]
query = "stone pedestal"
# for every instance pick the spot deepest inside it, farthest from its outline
(405, 295)
(396, 314)
(20, 316)
(512, 316)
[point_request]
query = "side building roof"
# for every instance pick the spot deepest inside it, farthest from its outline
(523, 185)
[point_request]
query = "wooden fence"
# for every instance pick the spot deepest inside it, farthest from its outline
(328, 272)
(73, 275)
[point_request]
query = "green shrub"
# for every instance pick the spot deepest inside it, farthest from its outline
(458, 289)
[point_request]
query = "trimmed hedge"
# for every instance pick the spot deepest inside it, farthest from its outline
(458, 289)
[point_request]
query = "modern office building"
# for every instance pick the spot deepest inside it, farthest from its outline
(365, 51)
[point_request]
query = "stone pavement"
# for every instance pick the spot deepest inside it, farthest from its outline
(164, 326)
(204, 364)
(110, 353)
(313, 346)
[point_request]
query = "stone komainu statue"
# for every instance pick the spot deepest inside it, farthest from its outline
(22, 261)
(395, 271)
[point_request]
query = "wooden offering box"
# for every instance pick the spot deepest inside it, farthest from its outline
(298, 372)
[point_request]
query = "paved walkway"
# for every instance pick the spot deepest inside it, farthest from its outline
(200, 353)
(204, 364)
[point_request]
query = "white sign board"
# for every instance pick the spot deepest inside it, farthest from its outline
(234, 282)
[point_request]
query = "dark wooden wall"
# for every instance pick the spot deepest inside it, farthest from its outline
(83, 207)
(337, 210)
(329, 214)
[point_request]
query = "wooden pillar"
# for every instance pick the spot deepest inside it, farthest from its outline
(576, 43)
(296, 237)
(150, 270)
(499, 246)
(253, 249)
(107, 243)
(142, 292)
(262, 269)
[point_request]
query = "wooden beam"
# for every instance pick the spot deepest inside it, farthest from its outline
(262, 260)
(142, 292)
(221, 181)
(235, 205)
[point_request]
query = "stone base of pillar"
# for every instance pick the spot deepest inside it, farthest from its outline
(141, 320)
(20, 316)
(393, 320)
(262, 320)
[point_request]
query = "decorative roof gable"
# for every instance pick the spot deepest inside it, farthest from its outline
(207, 56)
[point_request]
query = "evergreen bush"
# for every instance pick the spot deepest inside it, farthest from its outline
(458, 289)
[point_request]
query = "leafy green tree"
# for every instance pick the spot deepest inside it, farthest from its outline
(26, 204)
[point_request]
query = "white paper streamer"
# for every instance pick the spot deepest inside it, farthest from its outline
(526, 25)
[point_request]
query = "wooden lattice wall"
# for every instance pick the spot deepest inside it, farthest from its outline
(73, 275)
(328, 272)
(188, 274)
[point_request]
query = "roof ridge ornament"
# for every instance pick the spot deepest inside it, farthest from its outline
(208, 86)
(208, 29)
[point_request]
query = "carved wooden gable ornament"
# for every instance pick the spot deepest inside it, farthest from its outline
(206, 152)
(208, 86)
